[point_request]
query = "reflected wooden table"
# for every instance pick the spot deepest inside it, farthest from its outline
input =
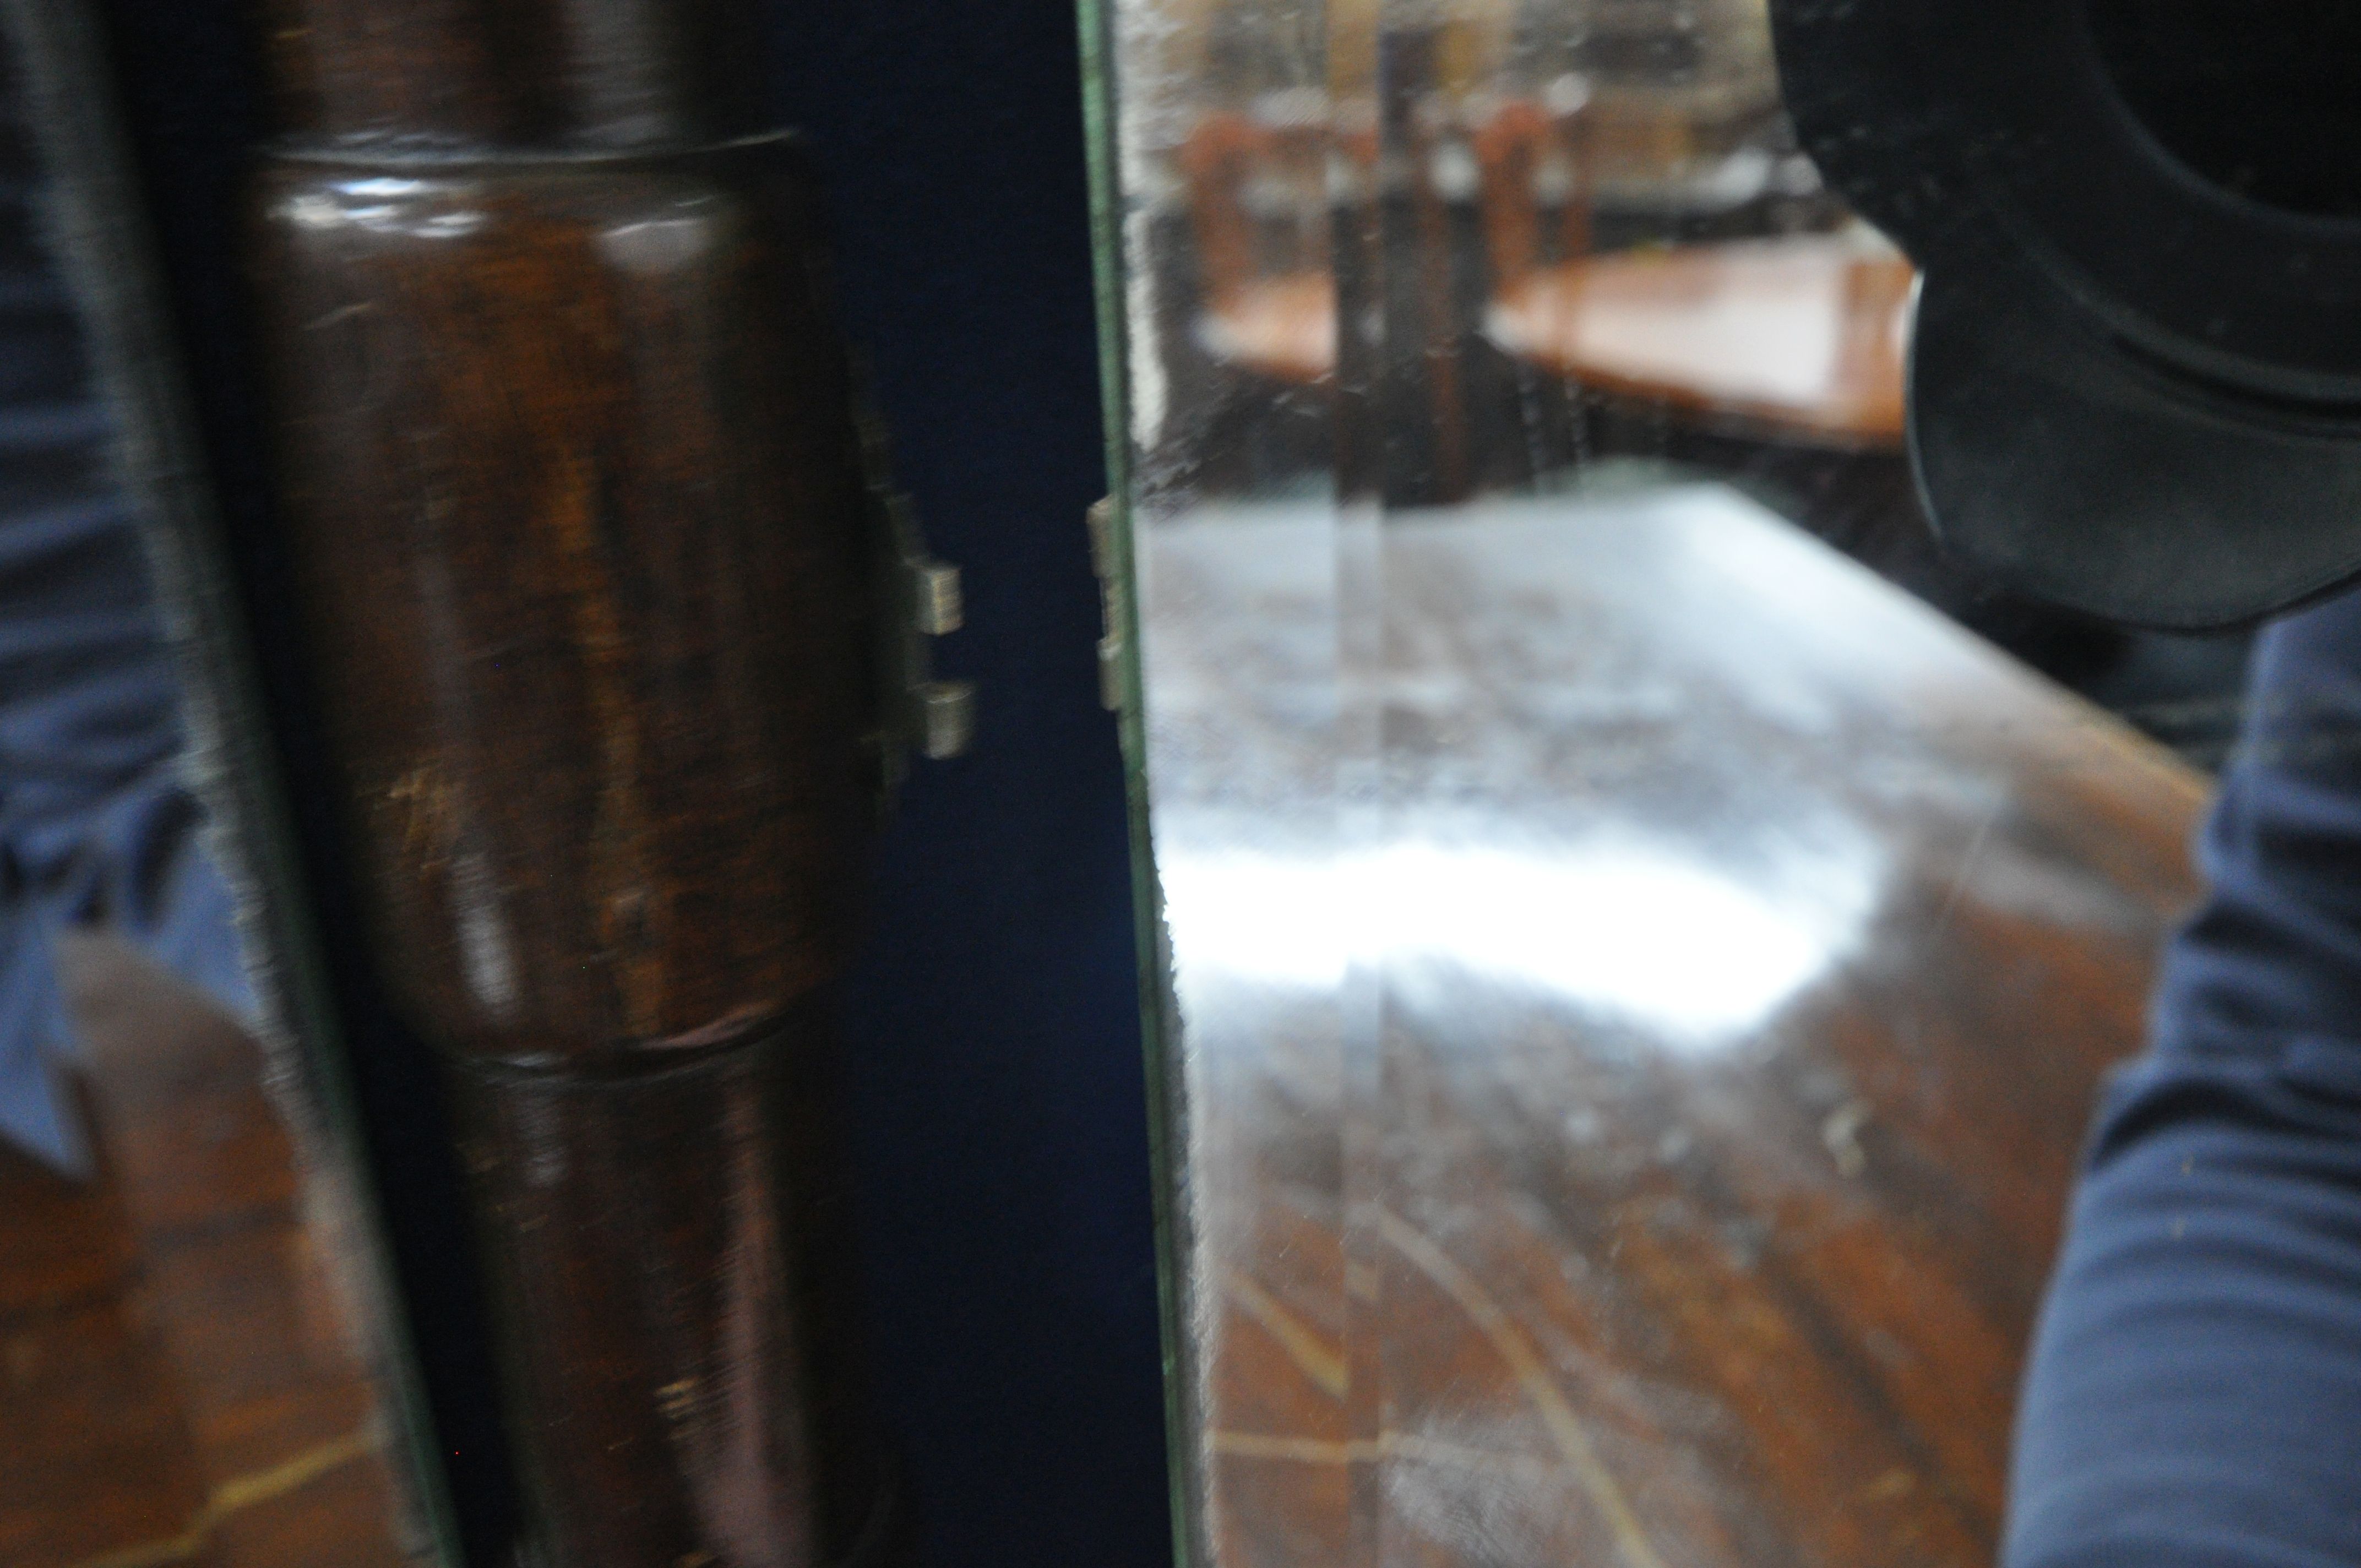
(1800, 338)
(179, 1383)
(1642, 982)
(1283, 326)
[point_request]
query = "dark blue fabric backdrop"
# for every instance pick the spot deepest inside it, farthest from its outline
(1002, 1089)
(993, 1040)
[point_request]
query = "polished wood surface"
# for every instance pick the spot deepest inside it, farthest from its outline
(1800, 339)
(179, 1381)
(1639, 1041)
(570, 470)
(573, 487)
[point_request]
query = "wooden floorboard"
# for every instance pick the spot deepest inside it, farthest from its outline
(179, 1380)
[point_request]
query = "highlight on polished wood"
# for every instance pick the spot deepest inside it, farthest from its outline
(1639, 1132)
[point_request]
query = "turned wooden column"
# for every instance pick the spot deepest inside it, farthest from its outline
(572, 486)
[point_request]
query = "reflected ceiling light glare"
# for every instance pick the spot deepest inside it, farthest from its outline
(1719, 537)
(1626, 929)
(1277, 919)
(1619, 927)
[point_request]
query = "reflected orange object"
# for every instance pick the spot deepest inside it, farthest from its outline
(1283, 327)
(1803, 335)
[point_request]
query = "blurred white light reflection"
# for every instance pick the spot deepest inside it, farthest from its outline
(1619, 926)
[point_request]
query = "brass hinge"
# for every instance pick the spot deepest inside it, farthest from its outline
(920, 600)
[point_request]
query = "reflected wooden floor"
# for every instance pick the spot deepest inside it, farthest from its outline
(179, 1384)
(1659, 1160)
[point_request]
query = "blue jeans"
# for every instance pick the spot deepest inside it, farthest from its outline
(2194, 1393)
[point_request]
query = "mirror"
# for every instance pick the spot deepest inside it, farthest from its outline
(201, 1359)
(1645, 931)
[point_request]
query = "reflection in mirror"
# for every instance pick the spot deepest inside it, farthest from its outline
(197, 1365)
(1645, 930)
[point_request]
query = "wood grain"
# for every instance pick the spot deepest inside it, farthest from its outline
(570, 477)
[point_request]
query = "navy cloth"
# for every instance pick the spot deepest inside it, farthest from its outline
(2194, 1393)
(94, 824)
